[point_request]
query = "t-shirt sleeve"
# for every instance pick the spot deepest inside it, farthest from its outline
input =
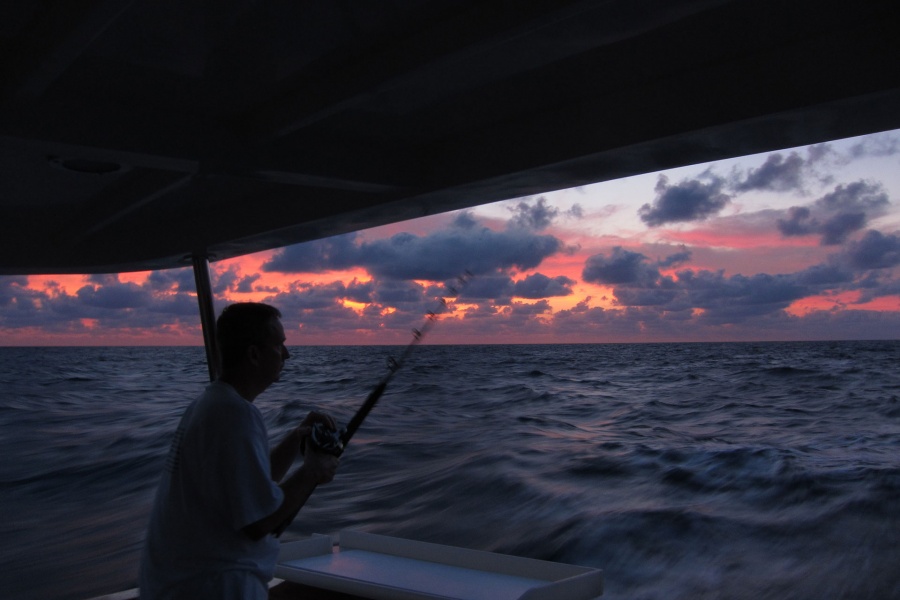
(245, 483)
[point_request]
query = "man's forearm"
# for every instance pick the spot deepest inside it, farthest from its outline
(297, 489)
(284, 454)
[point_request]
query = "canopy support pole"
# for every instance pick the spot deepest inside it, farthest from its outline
(207, 313)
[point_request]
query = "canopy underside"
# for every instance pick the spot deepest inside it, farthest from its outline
(136, 134)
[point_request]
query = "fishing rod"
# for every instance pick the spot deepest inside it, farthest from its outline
(325, 439)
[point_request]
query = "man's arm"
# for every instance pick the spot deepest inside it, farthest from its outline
(318, 468)
(285, 453)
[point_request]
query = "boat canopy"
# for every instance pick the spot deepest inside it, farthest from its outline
(138, 135)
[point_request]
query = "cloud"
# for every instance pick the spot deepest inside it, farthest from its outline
(330, 254)
(12, 287)
(690, 200)
(540, 286)
(836, 229)
(725, 299)
(734, 299)
(497, 286)
(537, 216)
(837, 214)
(244, 285)
(629, 296)
(441, 255)
(399, 293)
(362, 292)
(860, 195)
(104, 299)
(776, 174)
(788, 174)
(523, 309)
(874, 251)
(225, 280)
(876, 145)
(799, 222)
(676, 259)
(109, 293)
(621, 267)
(172, 280)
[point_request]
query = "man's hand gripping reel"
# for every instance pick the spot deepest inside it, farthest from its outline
(327, 440)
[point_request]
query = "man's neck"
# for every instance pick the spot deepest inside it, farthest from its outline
(242, 386)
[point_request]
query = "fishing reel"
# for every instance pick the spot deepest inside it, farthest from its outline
(325, 439)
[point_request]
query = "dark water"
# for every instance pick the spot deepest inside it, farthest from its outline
(683, 470)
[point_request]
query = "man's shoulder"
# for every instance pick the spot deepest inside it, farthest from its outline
(223, 401)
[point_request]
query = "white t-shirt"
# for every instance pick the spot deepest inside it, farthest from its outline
(217, 480)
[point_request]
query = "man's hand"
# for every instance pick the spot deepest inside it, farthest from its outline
(294, 444)
(321, 466)
(303, 431)
(318, 417)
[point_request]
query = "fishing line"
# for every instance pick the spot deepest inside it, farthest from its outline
(335, 442)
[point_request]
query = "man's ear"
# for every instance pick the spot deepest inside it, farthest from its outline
(253, 354)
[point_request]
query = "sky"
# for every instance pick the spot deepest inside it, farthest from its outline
(799, 244)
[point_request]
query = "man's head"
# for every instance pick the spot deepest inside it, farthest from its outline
(251, 334)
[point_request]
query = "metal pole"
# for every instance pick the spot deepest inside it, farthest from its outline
(207, 314)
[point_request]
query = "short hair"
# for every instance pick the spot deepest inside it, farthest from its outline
(240, 326)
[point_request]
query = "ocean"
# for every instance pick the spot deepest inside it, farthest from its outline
(684, 471)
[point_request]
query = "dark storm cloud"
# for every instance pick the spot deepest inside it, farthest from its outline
(621, 267)
(690, 200)
(837, 214)
(441, 255)
(540, 286)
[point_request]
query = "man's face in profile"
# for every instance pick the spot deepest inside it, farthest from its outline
(272, 353)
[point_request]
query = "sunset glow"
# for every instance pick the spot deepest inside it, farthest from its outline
(755, 248)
